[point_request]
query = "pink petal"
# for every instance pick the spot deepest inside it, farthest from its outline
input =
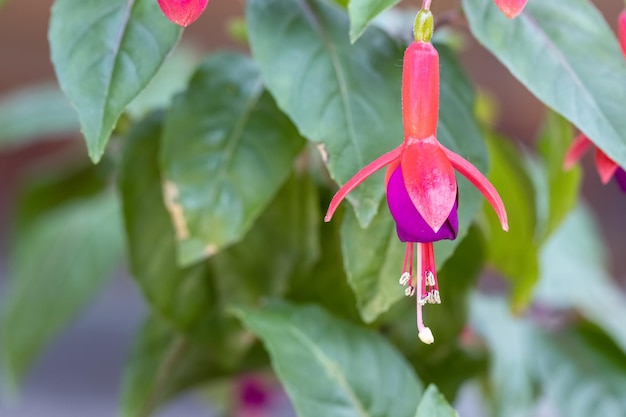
(183, 12)
(359, 177)
(512, 8)
(576, 150)
(621, 30)
(605, 166)
(429, 179)
(479, 181)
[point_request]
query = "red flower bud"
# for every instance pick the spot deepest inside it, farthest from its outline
(511, 8)
(183, 12)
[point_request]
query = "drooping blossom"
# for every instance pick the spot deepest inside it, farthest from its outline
(511, 8)
(605, 166)
(183, 12)
(621, 30)
(421, 186)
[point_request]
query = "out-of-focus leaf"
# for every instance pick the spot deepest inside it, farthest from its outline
(514, 254)
(282, 244)
(565, 54)
(58, 263)
(344, 97)
(362, 12)
(554, 140)
(35, 113)
(224, 158)
(163, 363)
(582, 372)
(574, 275)
(434, 404)
(510, 343)
(183, 296)
(330, 367)
(104, 54)
(373, 255)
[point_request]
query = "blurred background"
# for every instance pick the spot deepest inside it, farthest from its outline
(85, 363)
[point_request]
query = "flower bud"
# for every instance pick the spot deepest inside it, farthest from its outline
(511, 8)
(183, 12)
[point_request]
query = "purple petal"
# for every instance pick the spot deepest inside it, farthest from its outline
(411, 226)
(620, 177)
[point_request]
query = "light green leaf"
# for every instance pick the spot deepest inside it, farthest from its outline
(582, 372)
(344, 97)
(330, 367)
(565, 54)
(183, 296)
(58, 263)
(104, 53)
(574, 275)
(362, 12)
(374, 255)
(513, 253)
(35, 113)
(434, 404)
(510, 343)
(238, 150)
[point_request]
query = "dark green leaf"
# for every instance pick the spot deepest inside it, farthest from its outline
(514, 254)
(574, 275)
(184, 296)
(554, 140)
(342, 96)
(58, 263)
(434, 404)
(330, 367)
(565, 54)
(374, 255)
(510, 343)
(104, 53)
(362, 12)
(238, 150)
(40, 112)
(582, 372)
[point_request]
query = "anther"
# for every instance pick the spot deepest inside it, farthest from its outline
(422, 301)
(430, 278)
(436, 297)
(404, 279)
(409, 291)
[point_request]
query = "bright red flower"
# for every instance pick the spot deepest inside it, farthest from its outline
(511, 8)
(605, 166)
(183, 12)
(621, 30)
(421, 185)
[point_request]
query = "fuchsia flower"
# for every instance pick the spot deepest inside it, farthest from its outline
(421, 185)
(621, 30)
(605, 166)
(511, 8)
(183, 12)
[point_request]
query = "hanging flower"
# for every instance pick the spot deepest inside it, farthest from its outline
(605, 166)
(511, 8)
(421, 184)
(183, 12)
(621, 30)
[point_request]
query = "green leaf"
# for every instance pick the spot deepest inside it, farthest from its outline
(344, 97)
(574, 275)
(163, 363)
(373, 255)
(565, 54)
(104, 54)
(330, 367)
(183, 296)
(510, 343)
(563, 186)
(582, 372)
(36, 113)
(362, 12)
(434, 404)
(57, 264)
(239, 149)
(514, 254)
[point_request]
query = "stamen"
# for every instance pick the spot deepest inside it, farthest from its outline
(424, 332)
(409, 291)
(436, 296)
(404, 278)
(430, 279)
